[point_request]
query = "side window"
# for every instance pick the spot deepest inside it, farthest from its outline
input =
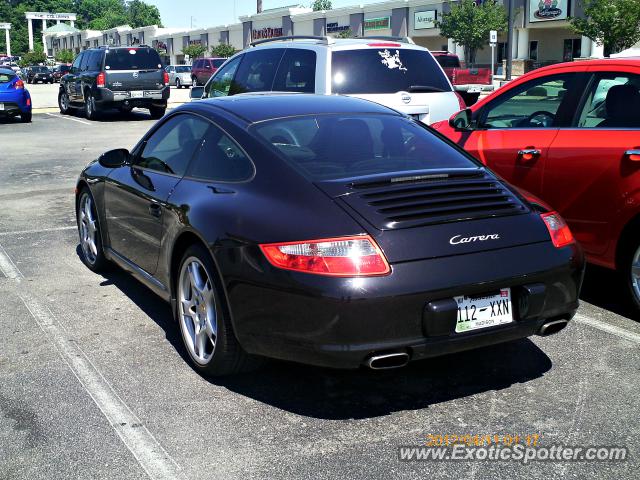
(85, 61)
(76, 63)
(613, 101)
(297, 72)
(535, 104)
(220, 84)
(220, 159)
(257, 70)
(170, 148)
(217, 63)
(95, 61)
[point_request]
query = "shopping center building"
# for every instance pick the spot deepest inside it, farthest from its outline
(541, 31)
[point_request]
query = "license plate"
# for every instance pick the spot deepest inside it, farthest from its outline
(484, 311)
(137, 94)
(474, 90)
(1, 106)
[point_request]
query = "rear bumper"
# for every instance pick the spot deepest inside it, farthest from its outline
(105, 97)
(342, 322)
(474, 88)
(13, 105)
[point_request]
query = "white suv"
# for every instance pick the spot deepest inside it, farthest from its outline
(391, 71)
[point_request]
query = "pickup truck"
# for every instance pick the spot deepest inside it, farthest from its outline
(469, 82)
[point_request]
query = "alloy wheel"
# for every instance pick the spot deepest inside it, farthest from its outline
(635, 275)
(197, 311)
(88, 229)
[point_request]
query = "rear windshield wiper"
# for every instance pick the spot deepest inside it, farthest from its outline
(424, 88)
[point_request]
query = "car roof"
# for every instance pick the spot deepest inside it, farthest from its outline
(268, 105)
(7, 70)
(336, 43)
(584, 65)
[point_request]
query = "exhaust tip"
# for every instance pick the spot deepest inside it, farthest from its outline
(552, 327)
(387, 361)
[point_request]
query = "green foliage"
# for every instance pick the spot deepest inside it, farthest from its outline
(469, 25)
(94, 14)
(65, 56)
(223, 50)
(345, 33)
(321, 5)
(194, 50)
(612, 23)
(35, 57)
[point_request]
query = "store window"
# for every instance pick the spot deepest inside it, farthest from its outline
(572, 49)
(533, 50)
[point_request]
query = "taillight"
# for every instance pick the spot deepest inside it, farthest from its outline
(101, 80)
(19, 84)
(461, 101)
(384, 45)
(165, 78)
(561, 235)
(340, 257)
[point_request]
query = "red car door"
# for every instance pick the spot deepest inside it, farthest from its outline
(592, 172)
(516, 129)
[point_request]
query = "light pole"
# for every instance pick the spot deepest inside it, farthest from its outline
(259, 6)
(509, 52)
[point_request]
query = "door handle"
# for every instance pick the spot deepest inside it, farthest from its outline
(155, 209)
(633, 154)
(529, 154)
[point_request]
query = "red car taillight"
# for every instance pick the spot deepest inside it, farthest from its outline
(561, 235)
(101, 80)
(165, 78)
(357, 256)
(19, 85)
(461, 101)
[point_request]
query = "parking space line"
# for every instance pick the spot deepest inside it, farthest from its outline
(606, 327)
(152, 457)
(41, 230)
(68, 118)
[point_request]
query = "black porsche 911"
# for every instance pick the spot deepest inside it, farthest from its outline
(325, 230)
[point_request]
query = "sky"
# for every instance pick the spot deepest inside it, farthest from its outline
(210, 13)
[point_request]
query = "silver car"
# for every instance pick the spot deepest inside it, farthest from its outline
(179, 75)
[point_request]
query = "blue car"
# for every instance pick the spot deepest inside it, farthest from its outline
(14, 98)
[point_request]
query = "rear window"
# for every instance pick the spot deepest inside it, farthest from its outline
(385, 70)
(448, 61)
(6, 77)
(132, 59)
(328, 147)
(39, 69)
(183, 69)
(217, 63)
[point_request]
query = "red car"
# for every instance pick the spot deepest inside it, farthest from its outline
(203, 68)
(570, 134)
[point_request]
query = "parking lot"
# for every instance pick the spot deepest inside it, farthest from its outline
(94, 381)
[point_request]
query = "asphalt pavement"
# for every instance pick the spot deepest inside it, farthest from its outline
(94, 381)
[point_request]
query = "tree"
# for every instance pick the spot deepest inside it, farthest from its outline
(612, 23)
(35, 57)
(223, 50)
(65, 56)
(140, 14)
(194, 50)
(469, 24)
(321, 5)
(345, 33)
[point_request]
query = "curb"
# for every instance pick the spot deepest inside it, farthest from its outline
(43, 110)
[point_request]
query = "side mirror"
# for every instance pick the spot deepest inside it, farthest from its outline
(196, 93)
(115, 158)
(462, 120)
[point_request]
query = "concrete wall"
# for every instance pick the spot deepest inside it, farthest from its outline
(305, 27)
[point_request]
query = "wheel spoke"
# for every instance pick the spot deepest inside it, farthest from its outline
(194, 277)
(635, 270)
(186, 307)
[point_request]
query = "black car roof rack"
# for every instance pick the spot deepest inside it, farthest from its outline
(324, 39)
(388, 37)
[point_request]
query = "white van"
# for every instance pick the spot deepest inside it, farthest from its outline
(388, 70)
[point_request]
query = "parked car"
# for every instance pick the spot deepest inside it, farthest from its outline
(115, 77)
(399, 246)
(60, 71)
(38, 73)
(203, 68)
(179, 75)
(570, 134)
(394, 73)
(15, 100)
(470, 82)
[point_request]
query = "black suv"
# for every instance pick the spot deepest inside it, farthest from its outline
(115, 77)
(37, 74)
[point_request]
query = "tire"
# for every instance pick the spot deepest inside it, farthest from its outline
(178, 85)
(203, 317)
(89, 232)
(125, 110)
(630, 269)
(63, 102)
(26, 117)
(157, 112)
(90, 111)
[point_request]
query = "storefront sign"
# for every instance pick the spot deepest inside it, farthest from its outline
(335, 28)
(383, 23)
(426, 19)
(266, 33)
(546, 10)
(49, 16)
